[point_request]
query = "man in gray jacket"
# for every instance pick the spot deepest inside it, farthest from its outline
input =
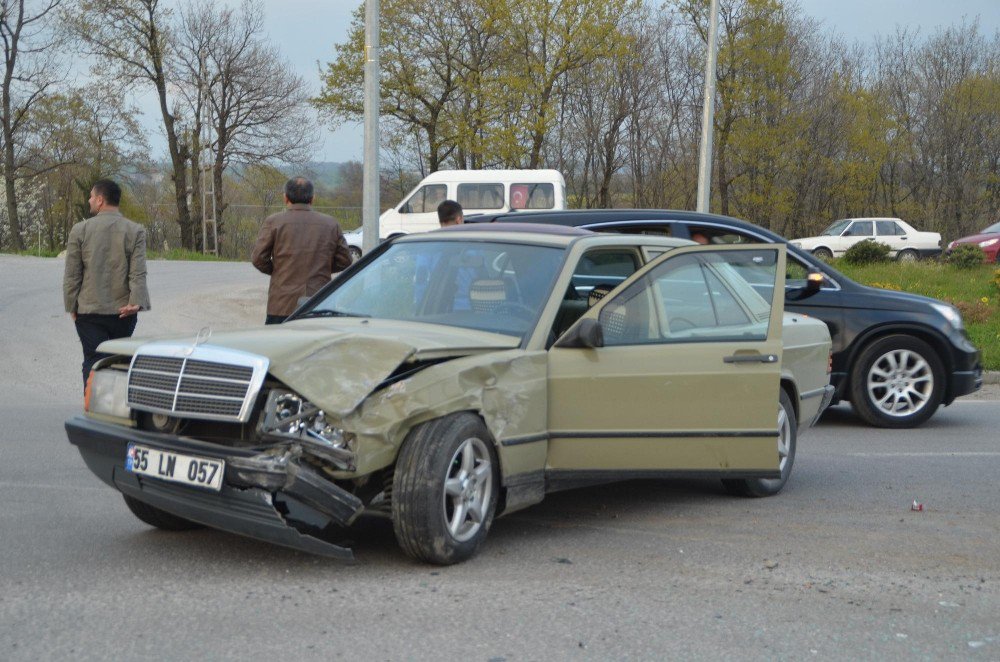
(104, 285)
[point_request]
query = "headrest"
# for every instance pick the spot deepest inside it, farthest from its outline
(487, 295)
(598, 293)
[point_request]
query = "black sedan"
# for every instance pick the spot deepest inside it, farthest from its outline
(897, 356)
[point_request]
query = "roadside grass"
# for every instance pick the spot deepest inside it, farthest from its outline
(34, 252)
(184, 254)
(975, 292)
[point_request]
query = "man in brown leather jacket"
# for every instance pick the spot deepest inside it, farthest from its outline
(104, 285)
(300, 249)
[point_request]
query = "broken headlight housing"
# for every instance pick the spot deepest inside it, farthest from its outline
(106, 393)
(288, 416)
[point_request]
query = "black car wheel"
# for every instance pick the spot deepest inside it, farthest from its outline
(161, 519)
(823, 254)
(787, 438)
(897, 382)
(445, 489)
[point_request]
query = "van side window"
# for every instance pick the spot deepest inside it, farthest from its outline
(480, 196)
(532, 196)
(425, 199)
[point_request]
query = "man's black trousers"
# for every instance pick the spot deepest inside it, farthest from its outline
(95, 329)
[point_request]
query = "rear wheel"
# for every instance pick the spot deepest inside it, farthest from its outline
(787, 439)
(161, 519)
(897, 382)
(445, 489)
(823, 254)
(907, 255)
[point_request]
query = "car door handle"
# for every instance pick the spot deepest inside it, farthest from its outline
(751, 358)
(903, 238)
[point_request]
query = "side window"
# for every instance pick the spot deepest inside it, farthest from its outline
(604, 267)
(425, 199)
(860, 229)
(532, 196)
(480, 196)
(888, 228)
(692, 298)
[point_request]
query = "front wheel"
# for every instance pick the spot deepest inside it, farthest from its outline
(161, 519)
(788, 434)
(897, 382)
(824, 254)
(907, 255)
(445, 489)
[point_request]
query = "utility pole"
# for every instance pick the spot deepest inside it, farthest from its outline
(209, 227)
(708, 113)
(370, 203)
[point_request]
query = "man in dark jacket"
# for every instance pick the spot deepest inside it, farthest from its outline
(104, 285)
(300, 249)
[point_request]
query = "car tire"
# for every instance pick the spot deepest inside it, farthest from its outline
(446, 479)
(890, 369)
(355, 253)
(787, 441)
(823, 254)
(161, 519)
(907, 255)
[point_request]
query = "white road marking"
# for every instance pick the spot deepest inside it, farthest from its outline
(931, 454)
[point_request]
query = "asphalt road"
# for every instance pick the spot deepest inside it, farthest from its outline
(836, 567)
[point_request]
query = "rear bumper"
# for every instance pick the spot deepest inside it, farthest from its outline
(284, 503)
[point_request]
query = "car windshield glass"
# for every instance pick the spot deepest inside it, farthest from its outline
(835, 229)
(488, 286)
(993, 228)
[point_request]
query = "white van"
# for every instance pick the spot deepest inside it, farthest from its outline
(478, 191)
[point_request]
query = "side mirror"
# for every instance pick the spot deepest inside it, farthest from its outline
(585, 333)
(814, 281)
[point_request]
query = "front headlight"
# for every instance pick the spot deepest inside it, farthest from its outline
(287, 415)
(950, 313)
(988, 242)
(107, 393)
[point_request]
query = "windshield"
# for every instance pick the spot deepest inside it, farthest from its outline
(993, 228)
(488, 286)
(835, 229)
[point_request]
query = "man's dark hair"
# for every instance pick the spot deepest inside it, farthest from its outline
(299, 191)
(449, 211)
(109, 190)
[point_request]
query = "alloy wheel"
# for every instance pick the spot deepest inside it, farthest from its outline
(468, 489)
(900, 382)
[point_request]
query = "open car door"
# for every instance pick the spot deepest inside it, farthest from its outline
(686, 378)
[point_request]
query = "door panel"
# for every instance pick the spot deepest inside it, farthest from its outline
(688, 378)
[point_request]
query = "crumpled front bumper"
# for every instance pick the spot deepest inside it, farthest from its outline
(279, 502)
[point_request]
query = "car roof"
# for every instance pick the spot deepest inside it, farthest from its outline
(561, 235)
(493, 176)
(586, 217)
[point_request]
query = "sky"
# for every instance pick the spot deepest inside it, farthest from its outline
(306, 31)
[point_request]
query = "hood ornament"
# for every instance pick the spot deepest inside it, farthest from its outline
(200, 339)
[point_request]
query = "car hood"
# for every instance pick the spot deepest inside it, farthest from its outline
(865, 297)
(337, 363)
(976, 238)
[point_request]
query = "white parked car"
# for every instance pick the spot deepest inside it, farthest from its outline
(905, 242)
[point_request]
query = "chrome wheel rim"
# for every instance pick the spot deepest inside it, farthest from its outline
(784, 438)
(900, 383)
(468, 489)
(907, 256)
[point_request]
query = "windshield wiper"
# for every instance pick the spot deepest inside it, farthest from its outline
(326, 312)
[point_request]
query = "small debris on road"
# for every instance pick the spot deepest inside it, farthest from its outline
(917, 506)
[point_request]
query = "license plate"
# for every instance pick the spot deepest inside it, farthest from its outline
(175, 467)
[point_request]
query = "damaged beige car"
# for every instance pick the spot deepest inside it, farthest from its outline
(458, 375)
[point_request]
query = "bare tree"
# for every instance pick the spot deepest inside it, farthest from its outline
(30, 58)
(134, 38)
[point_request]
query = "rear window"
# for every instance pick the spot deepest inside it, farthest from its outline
(480, 196)
(532, 196)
